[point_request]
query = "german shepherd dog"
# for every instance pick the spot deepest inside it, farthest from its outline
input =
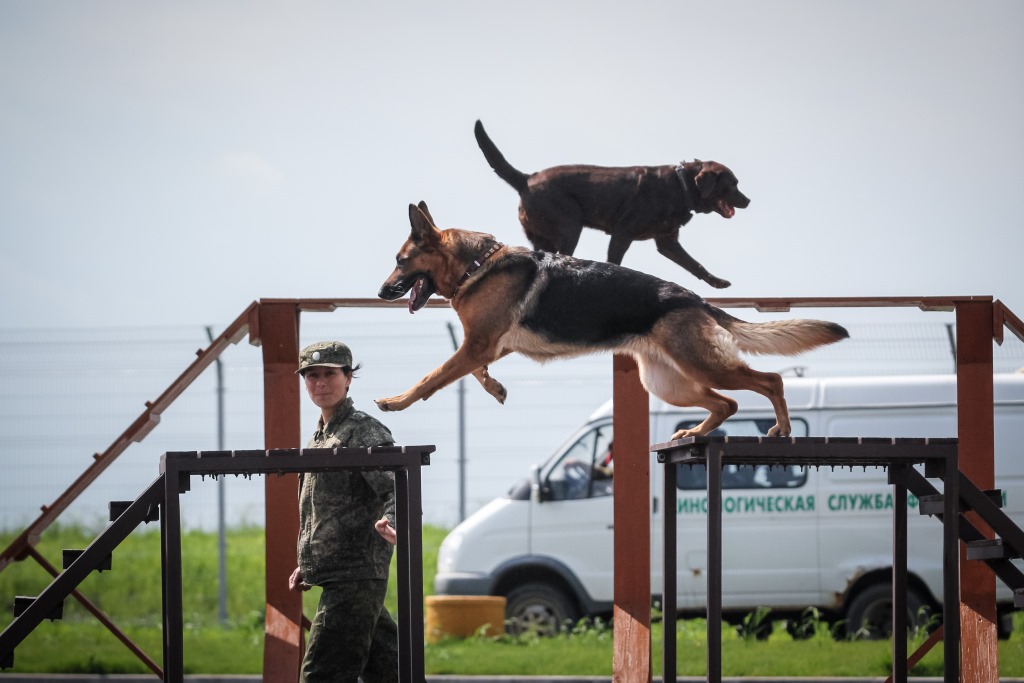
(547, 306)
(629, 203)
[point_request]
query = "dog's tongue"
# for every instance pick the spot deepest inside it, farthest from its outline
(725, 209)
(414, 294)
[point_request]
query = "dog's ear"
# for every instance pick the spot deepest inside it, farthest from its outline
(426, 211)
(706, 180)
(423, 234)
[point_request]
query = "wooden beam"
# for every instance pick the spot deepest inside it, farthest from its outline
(282, 641)
(631, 660)
(979, 654)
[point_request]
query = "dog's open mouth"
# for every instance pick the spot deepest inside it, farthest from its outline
(420, 292)
(420, 287)
(725, 208)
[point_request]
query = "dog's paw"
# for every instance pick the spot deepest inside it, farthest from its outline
(779, 430)
(389, 404)
(496, 389)
(718, 283)
(492, 386)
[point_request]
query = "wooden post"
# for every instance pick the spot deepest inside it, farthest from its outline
(979, 657)
(282, 642)
(631, 661)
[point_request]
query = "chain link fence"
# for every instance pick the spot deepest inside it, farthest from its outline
(66, 394)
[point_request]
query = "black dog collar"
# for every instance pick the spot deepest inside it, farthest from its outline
(685, 182)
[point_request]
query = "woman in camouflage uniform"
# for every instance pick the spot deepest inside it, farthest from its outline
(346, 534)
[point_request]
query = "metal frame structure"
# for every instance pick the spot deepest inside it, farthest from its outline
(274, 324)
(404, 461)
(939, 456)
(176, 469)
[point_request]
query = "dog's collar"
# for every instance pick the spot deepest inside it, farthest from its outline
(685, 182)
(475, 265)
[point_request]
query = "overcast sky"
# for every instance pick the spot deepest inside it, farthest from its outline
(169, 163)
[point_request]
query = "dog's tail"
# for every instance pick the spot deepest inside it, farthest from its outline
(780, 337)
(505, 171)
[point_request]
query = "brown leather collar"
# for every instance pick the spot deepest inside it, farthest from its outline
(473, 267)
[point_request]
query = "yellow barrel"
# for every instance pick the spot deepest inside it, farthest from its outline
(463, 615)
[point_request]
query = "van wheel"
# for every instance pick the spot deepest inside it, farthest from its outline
(869, 615)
(538, 608)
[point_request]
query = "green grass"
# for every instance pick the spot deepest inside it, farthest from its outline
(130, 595)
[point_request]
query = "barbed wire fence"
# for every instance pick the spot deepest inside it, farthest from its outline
(66, 394)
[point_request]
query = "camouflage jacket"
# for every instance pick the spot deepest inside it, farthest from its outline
(337, 510)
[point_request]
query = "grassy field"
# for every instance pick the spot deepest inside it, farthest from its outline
(130, 594)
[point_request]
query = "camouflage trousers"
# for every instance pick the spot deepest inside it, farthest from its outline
(352, 636)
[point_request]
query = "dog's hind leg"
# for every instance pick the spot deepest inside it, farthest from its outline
(553, 228)
(720, 408)
(706, 355)
(769, 385)
(665, 381)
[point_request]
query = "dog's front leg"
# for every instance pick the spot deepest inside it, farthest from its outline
(459, 365)
(669, 246)
(490, 385)
(617, 248)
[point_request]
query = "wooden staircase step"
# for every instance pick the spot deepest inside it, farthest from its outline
(69, 556)
(932, 504)
(996, 496)
(988, 549)
(117, 508)
(22, 603)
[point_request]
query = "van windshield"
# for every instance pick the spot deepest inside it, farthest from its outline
(584, 470)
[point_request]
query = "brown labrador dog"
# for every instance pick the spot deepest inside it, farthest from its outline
(629, 203)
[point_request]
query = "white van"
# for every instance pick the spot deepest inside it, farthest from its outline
(792, 538)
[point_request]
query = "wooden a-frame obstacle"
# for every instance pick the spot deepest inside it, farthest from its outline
(273, 324)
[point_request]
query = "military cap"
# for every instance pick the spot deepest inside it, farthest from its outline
(329, 354)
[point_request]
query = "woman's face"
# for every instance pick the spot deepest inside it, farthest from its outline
(327, 387)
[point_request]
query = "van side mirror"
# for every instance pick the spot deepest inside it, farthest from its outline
(536, 493)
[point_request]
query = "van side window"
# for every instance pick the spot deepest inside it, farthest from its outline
(691, 478)
(585, 469)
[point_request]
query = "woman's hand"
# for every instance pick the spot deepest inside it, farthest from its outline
(296, 583)
(384, 528)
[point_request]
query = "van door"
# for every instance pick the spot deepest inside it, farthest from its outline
(573, 520)
(769, 530)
